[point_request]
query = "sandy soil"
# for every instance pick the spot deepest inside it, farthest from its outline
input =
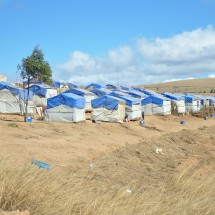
(73, 145)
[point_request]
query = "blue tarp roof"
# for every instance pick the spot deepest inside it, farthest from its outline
(98, 86)
(56, 84)
(173, 96)
(67, 99)
(101, 92)
(189, 98)
(39, 89)
(79, 92)
(125, 88)
(71, 85)
(107, 102)
(148, 92)
(111, 86)
(23, 94)
(137, 94)
(128, 99)
(158, 99)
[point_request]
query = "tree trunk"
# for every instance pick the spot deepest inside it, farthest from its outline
(26, 103)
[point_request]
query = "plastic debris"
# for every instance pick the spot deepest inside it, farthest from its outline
(128, 191)
(91, 164)
(183, 122)
(159, 150)
(41, 164)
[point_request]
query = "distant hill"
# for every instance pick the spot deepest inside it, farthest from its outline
(197, 86)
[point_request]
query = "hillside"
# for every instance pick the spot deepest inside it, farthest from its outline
(196, 86)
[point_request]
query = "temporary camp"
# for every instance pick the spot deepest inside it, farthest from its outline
(93, 86)
(101, 92)
(160, 104)
(192, 103)
(41, 93)
(205, 102)
(12, 100)
(71, 85)
(84, 93)
(177, 103)
(108, 108)
(146, 101)
(133, 105)
(111, 87)
(65, 107)
(57, 84)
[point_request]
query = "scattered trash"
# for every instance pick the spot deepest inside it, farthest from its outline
(94, 121)
(128, 191)
(205, 118)
(159, 151)
(142, 123)
(91, 164)
(41, 164)
(183, 122)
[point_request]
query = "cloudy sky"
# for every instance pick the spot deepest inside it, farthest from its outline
(126, 42)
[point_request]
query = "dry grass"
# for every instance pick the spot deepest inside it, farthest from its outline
(196, 86)
(180, 181)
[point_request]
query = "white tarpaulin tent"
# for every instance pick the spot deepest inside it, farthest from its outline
(108, 108)
(65, 107)
(41, 93)
(12, 100)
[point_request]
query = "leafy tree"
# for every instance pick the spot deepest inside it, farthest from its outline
(35, 66)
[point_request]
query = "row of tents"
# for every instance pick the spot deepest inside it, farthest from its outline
(106, 103)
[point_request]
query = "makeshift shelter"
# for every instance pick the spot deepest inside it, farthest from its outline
(93, 86)
(148, 92)
(192, 103)
(133, 105)
(205, 102)
(146, 101)
(108, 108)
(57, 84)
(71, 85)
(177, 103)
(111, 87)
(84, 93)
(211, 101)
(41, 93)
(65, 107)
(12, 100)
(160, 104)
(101, 92)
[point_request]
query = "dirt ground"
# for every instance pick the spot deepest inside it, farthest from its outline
(64, 145)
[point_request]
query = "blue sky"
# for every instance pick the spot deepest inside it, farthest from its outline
(91, 40)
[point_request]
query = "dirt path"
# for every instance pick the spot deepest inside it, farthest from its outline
(71, 145)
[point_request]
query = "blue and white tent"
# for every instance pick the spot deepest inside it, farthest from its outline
(192, 103)
(148, 92)
(83, 93)
(57, 84)
(133, 105)
(12, 99)
(160, 105)
(111, 87)
(108, 108)
(66, 107)
(71, 85)
(178, 103)
(41, 93)
(93, 86)
(101, 92)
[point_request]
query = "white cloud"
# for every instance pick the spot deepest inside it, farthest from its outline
(211, 76)
(185, 55)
